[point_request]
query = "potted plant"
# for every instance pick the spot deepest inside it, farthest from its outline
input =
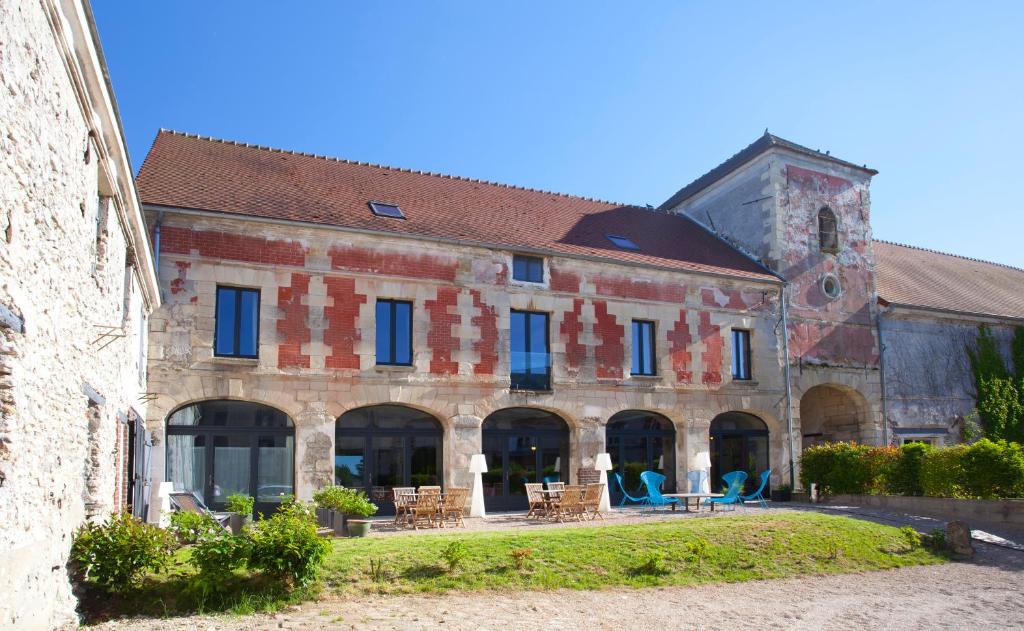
(330, 501)
(359, 506)
(782, 493)
(240, 506)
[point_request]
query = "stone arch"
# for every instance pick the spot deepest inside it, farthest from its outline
(740, 441)
(524, 445)
(641, 440)
(832, 412)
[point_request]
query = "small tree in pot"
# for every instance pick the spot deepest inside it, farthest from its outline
(330, 502)
(240, 506)
(358, 505)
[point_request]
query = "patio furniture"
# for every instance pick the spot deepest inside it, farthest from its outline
(452, 506)
(570, 504)
(403, 497)
(625, 495)
(432, 490)
(551, 479)
(686, 497)
(555, 486)
(592, 500)
(425, 509)
(189, 502)
(735, 480)
(535, 497)
(758, 494)
(653, 481)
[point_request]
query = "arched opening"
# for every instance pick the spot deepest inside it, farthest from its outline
(830, 414)
(219, 448)
(739, 442)
(641, 441)
(379, 447)
(828, 231)
(522, 445)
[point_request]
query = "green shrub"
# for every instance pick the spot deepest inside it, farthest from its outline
(935, 540)
(189, 527)
(942, 472)
(455, 555)
(841, 468)
(994, 469)
(217, 554)
(240, 504)
(286, 545)
(117, 553)
(351, 502)
(904, 477)
(652, 564)
(331, 497)
(520, 557)
(911, 537)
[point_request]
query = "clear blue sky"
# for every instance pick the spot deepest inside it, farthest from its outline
(621, 101)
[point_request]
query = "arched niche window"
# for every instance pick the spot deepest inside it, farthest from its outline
(828, 231)
(641, 441)
(522, 446)
(739, 442)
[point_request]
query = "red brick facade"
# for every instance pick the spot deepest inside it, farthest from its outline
(440, 338)
(341, 333)
(293, 329)
(610, 352)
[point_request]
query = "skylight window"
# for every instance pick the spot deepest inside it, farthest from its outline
(623, 243)
(382, 209)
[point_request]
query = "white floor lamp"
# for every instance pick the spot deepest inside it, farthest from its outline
(702, 463)
(478, 467)
(603, 463)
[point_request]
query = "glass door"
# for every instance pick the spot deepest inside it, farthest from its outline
(522, 465)
(275, 468)
(230, 467)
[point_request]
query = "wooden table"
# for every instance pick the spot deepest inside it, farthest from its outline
(686, 497)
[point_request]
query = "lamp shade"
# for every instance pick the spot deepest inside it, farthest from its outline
(661, 462)
(477, 464)
(702, 461)
(603, 462)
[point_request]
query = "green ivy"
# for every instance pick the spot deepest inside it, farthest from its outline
(1000, 393)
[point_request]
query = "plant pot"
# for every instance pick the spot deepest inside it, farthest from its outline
(782, 496)
(323, 517)
(358, 527)
(237, 522)
(339, 521)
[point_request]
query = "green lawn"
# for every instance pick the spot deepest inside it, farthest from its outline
(665, 553)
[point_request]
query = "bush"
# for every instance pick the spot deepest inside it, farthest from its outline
(942, 472)
(841, 468)
(994, 469)
(286, 544)
(455, 555)
(119, 552)
(217, 554)
(240, 504)
(189, 527)
(331, 497)
(520, 556)
(347, 501)
(904, 476)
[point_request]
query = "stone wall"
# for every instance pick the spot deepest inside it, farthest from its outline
(318, 289)
(63, 260)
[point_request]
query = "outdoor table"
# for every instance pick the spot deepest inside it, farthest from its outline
(698, 496)
(550, 495)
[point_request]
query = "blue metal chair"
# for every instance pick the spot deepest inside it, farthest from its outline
(735, 480)
(757, 495)
(653, 482)
(626, 496)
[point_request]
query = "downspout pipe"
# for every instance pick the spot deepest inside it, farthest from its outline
(881, 380)
(789, 388)
(156, 244)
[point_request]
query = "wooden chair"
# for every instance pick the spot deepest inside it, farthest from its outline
(453, 505)
(570, 504)
(403, 497)
(430, 490)
(556, 486)
(424, 509)
(592, 500)
(536, 500)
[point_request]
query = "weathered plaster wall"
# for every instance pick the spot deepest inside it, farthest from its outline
(62, 280)
(317, 342)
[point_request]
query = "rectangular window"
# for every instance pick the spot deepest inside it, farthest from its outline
(740, 354)
(643, 347)
(531, 360)
(394, 333)
(528, 268)
(238, 322)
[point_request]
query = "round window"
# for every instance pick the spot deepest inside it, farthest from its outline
(830, 285)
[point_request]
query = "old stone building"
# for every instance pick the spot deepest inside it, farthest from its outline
(76, 285)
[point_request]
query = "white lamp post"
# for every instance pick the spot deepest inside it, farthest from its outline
(477, 466)
(603, 463)
(702, 462)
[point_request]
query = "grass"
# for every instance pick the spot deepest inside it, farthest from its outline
(693, 551)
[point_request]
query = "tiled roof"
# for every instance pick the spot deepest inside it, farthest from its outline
(745, 155)
(924, 278)
(187, 171)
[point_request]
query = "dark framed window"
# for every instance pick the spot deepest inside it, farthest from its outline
(740, 354)
(621, 242)
(237, 331)
(383, 209)
(394, 333)
(528, 268)
(643, 348)
(828, 231)
(531, 359)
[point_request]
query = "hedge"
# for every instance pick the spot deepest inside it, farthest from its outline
(987, 469)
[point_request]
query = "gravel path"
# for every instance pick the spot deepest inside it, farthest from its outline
(987, 592)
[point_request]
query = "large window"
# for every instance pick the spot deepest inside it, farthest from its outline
(522, 446)
(643, 348)
(379, 447)
(531, 360)
(528, 268)
(641, 441)
(741, 354)
(739, 442)
(238, 322)
(828, 231)
(394, 333)
(218, 448)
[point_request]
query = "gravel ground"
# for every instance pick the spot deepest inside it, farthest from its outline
(987, 592)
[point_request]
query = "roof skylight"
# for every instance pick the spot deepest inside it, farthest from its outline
(382, 209)
(623, 243)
